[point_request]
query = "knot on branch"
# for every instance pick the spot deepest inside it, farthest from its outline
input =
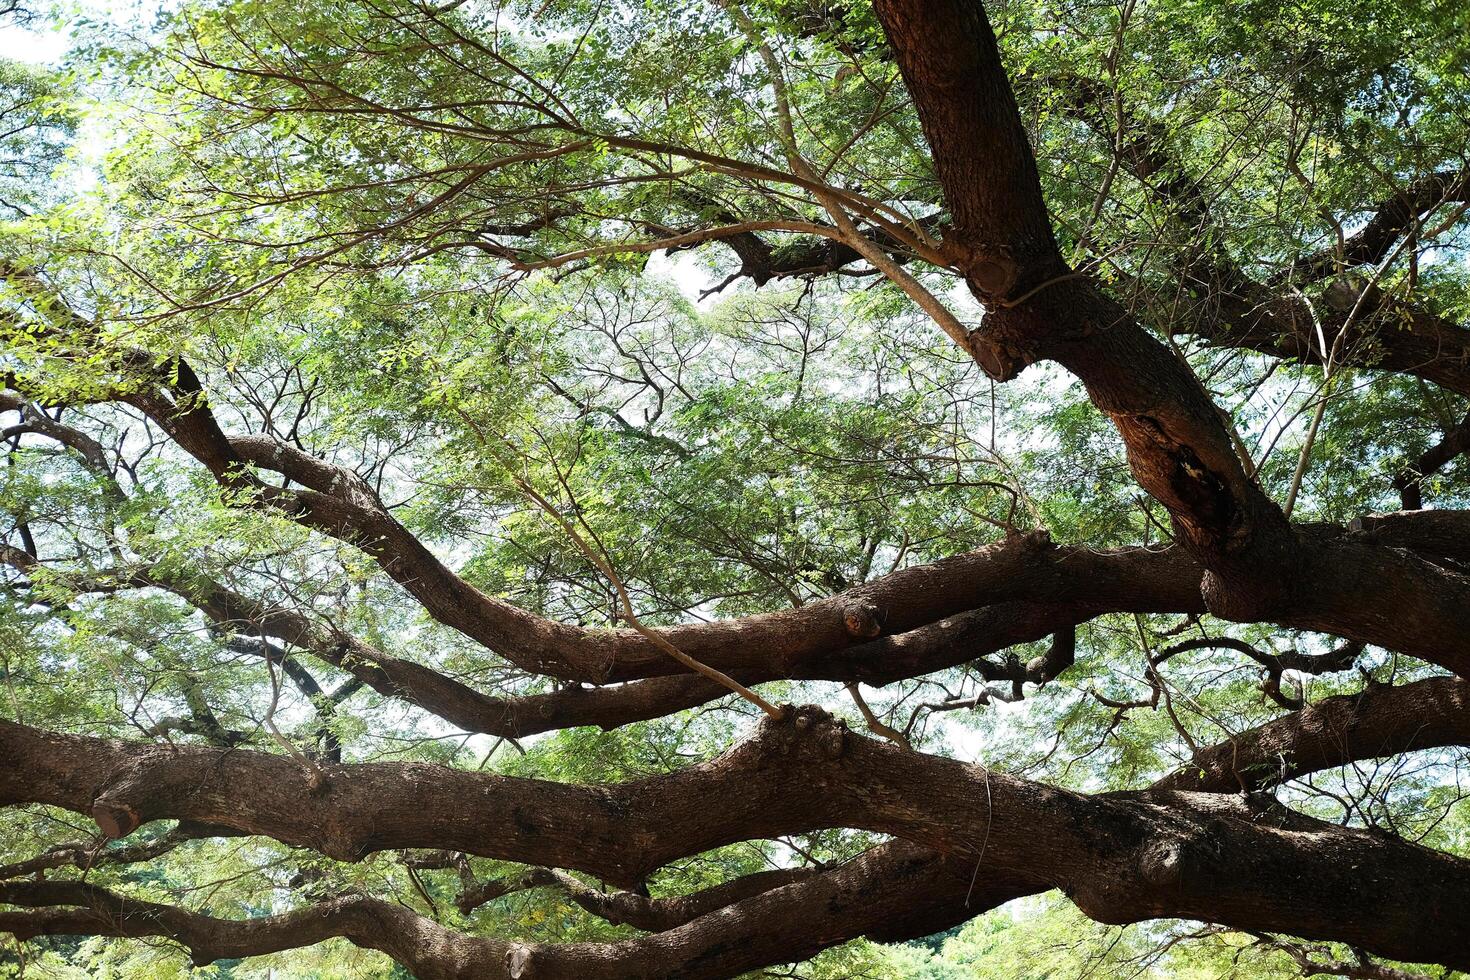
(124, 796)
(1035, 540)
(518, 961)
(341, 841)
(992, 270)
(862, 619)
(338, 847)
(1161, 862)
(1349, 293)
(115, 820)
(805, 731)
(1148, 871)
(1166, 466)
(999, 360)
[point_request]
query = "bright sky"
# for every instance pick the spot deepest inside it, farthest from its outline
(20, 44)
(42, 41)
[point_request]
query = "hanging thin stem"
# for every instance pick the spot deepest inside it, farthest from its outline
(600, 559)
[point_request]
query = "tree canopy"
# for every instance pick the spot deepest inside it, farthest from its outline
(612, 488)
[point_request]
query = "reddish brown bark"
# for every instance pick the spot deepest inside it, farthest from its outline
(894, 890)
(1121, 857)
(1377, 722)
(1398, 581)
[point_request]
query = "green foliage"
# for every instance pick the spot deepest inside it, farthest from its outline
(314, 203)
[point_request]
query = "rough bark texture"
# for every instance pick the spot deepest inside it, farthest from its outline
(1178, 449)
(1378, 722)
(1122, 857)
(894, 890)
(1203, 843)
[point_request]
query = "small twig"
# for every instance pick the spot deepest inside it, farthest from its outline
(875, 724)
(1013, 303)
(604, 565)
(654, 636)
(317, 775)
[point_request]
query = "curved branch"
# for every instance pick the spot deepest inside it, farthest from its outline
(1379, 721)
(1392, 219)
(1255, 561)
(1243, 862)
(631, 908)
(1275, 664)
(1410, 482)
(339, 503)
(89, 855)
(918, 893)
(1178, 449)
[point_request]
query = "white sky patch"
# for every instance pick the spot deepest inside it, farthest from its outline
(45, 40)
(40, 44)
(688, 272)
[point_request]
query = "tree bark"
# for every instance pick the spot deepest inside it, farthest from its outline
(1122, 857)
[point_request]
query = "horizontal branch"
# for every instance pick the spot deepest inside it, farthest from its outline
(951, 641)
(96, 853)
(631, 908)
(1238, 861)
(339, 503)
(893, 891)
(898, 891)
(1386, 335)
(1434, 533)
(1020, 567)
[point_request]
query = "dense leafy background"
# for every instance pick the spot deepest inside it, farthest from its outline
(745, 451)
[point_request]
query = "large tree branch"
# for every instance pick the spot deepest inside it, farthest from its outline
(1120, 857)
(1391, 220)
(96, 853)
(1419, 618)
(1378, 721)
(1438, 534)
(905, 890)
(1410, 482)
(1084, 584)
(338, 502)
(1178, 448)
(630, 908)
(1386, 334)
(893, 891)
(1271, 317)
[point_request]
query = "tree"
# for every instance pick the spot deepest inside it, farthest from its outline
(397, 554)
